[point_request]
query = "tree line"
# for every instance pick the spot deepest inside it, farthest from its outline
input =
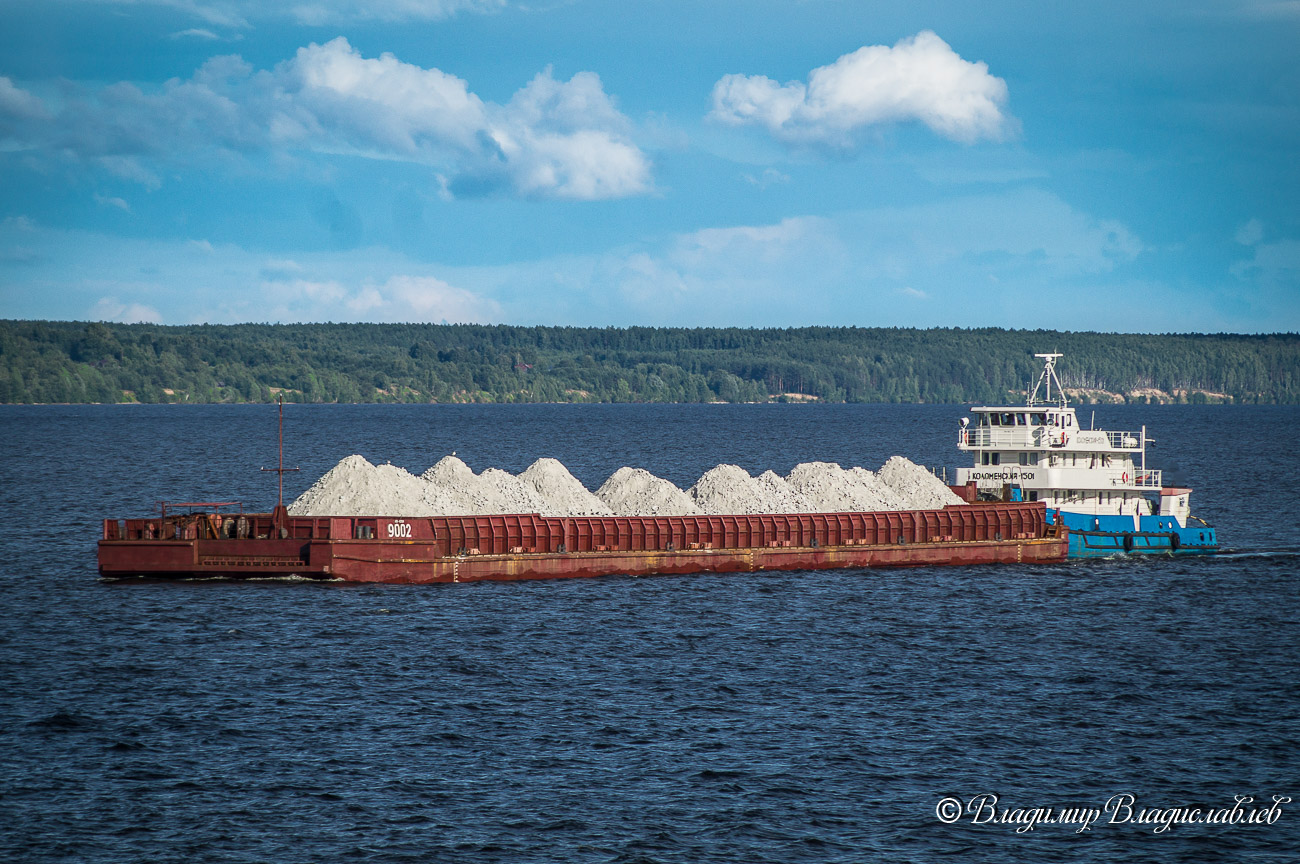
(65, 361)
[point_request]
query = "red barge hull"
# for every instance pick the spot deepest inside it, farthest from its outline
(528, 546)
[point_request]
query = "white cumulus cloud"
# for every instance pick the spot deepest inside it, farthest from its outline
(290, 296)
(422, 298)
(113, 309)
(919, 79)
(553, 139)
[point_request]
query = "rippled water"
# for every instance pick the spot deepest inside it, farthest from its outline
(812, 716)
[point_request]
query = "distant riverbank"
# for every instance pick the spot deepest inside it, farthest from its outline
(51, 362)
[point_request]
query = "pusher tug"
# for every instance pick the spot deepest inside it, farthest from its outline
(1094, 482)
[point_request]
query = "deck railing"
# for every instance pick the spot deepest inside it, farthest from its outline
(1124, 440)
(1040, 436)
(1149, 478)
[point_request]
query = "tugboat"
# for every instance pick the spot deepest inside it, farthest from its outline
(1094, 482)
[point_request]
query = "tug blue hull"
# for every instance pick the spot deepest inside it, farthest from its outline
(1093, 536)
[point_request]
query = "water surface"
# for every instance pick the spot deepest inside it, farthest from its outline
(809, 716)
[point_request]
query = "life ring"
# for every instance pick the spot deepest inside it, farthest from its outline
(1124, 477)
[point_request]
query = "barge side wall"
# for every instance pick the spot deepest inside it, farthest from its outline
(525, 546)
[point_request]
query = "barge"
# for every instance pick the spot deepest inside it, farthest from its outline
(207, 543)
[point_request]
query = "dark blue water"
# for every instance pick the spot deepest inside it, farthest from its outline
(817, 716)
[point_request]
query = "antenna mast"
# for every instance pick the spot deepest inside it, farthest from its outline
(280, 471)
(1048, 376)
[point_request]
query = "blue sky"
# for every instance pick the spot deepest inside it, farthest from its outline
(1103, 166)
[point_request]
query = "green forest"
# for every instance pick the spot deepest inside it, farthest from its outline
(62, 361)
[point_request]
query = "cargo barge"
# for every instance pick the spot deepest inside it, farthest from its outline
(206, 543)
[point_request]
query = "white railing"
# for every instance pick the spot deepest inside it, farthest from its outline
(1148, 479)
(985, 436)
(1124, 440)
(1044, 436)
(1126, 478)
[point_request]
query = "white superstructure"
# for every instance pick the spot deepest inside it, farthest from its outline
(1041, 448)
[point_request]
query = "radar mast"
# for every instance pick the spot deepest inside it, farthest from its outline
(1046, 379)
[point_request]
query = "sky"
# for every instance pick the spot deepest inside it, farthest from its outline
(1119, 167)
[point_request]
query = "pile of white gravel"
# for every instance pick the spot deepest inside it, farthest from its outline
(355, 487)
(916, 485)
(832, 489)
(730, 489)
(562, 494)
(637, 492)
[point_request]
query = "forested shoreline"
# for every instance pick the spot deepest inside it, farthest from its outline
(79, 362)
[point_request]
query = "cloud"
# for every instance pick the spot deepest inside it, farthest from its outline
(1021, 258)
(725, 274)
(401, 298)
(18, 104)
(196, 33)
(1002, 259)
(422, 298)
(106, 201)
(112, 309)
(1273, 265)
(220, 13)
(1250, 233)
(20, 111)
(238, 13)
(15, 234)
(567, 140)
(322, 12)
(553, 139)
(280, 269)
(769, 177)
(54, 273)
(919, 79)
(1276, 9)
(129, 168)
